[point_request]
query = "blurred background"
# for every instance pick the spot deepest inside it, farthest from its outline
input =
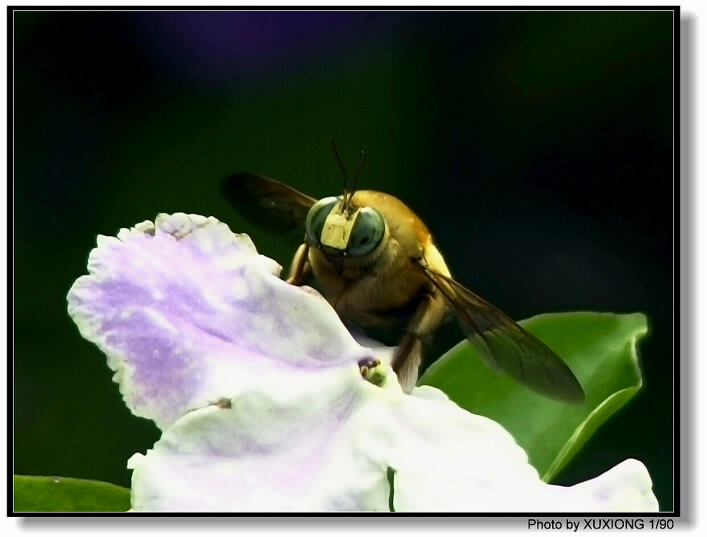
(537, 146)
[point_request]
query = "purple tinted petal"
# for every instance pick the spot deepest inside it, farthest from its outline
(304, 446)
(187, 312)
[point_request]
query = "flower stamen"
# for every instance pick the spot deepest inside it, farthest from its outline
(372, 370)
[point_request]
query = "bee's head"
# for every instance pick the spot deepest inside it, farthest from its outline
(338, 230)
(337, 227)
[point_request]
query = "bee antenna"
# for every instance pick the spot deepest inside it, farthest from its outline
(342, 169)
(357, 173)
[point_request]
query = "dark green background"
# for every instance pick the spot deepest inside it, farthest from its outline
(538, 147)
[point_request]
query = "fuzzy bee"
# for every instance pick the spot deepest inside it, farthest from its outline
(377, 265)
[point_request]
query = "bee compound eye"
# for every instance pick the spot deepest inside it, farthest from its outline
(316, 217)
(367, 233)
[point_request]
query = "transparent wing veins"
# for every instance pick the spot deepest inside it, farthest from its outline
(505, 345)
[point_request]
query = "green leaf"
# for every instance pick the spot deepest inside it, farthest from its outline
(43, 494)
(601, 351)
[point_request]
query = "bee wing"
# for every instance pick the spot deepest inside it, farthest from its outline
(268, 204)
(505, 345)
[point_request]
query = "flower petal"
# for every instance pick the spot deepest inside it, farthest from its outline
(188, 313)
(627, 487)
(303, 446)
(468, 463)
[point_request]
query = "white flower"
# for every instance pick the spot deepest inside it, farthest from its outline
(267, 403)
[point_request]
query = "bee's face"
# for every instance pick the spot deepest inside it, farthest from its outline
(337, 230)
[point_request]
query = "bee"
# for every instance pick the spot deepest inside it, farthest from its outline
(377, 265)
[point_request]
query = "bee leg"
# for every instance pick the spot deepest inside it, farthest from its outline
(408, 356)
(300, 267)
(407, 360)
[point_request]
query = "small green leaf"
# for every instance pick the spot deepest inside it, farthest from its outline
(44, 494)
(601, 351)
